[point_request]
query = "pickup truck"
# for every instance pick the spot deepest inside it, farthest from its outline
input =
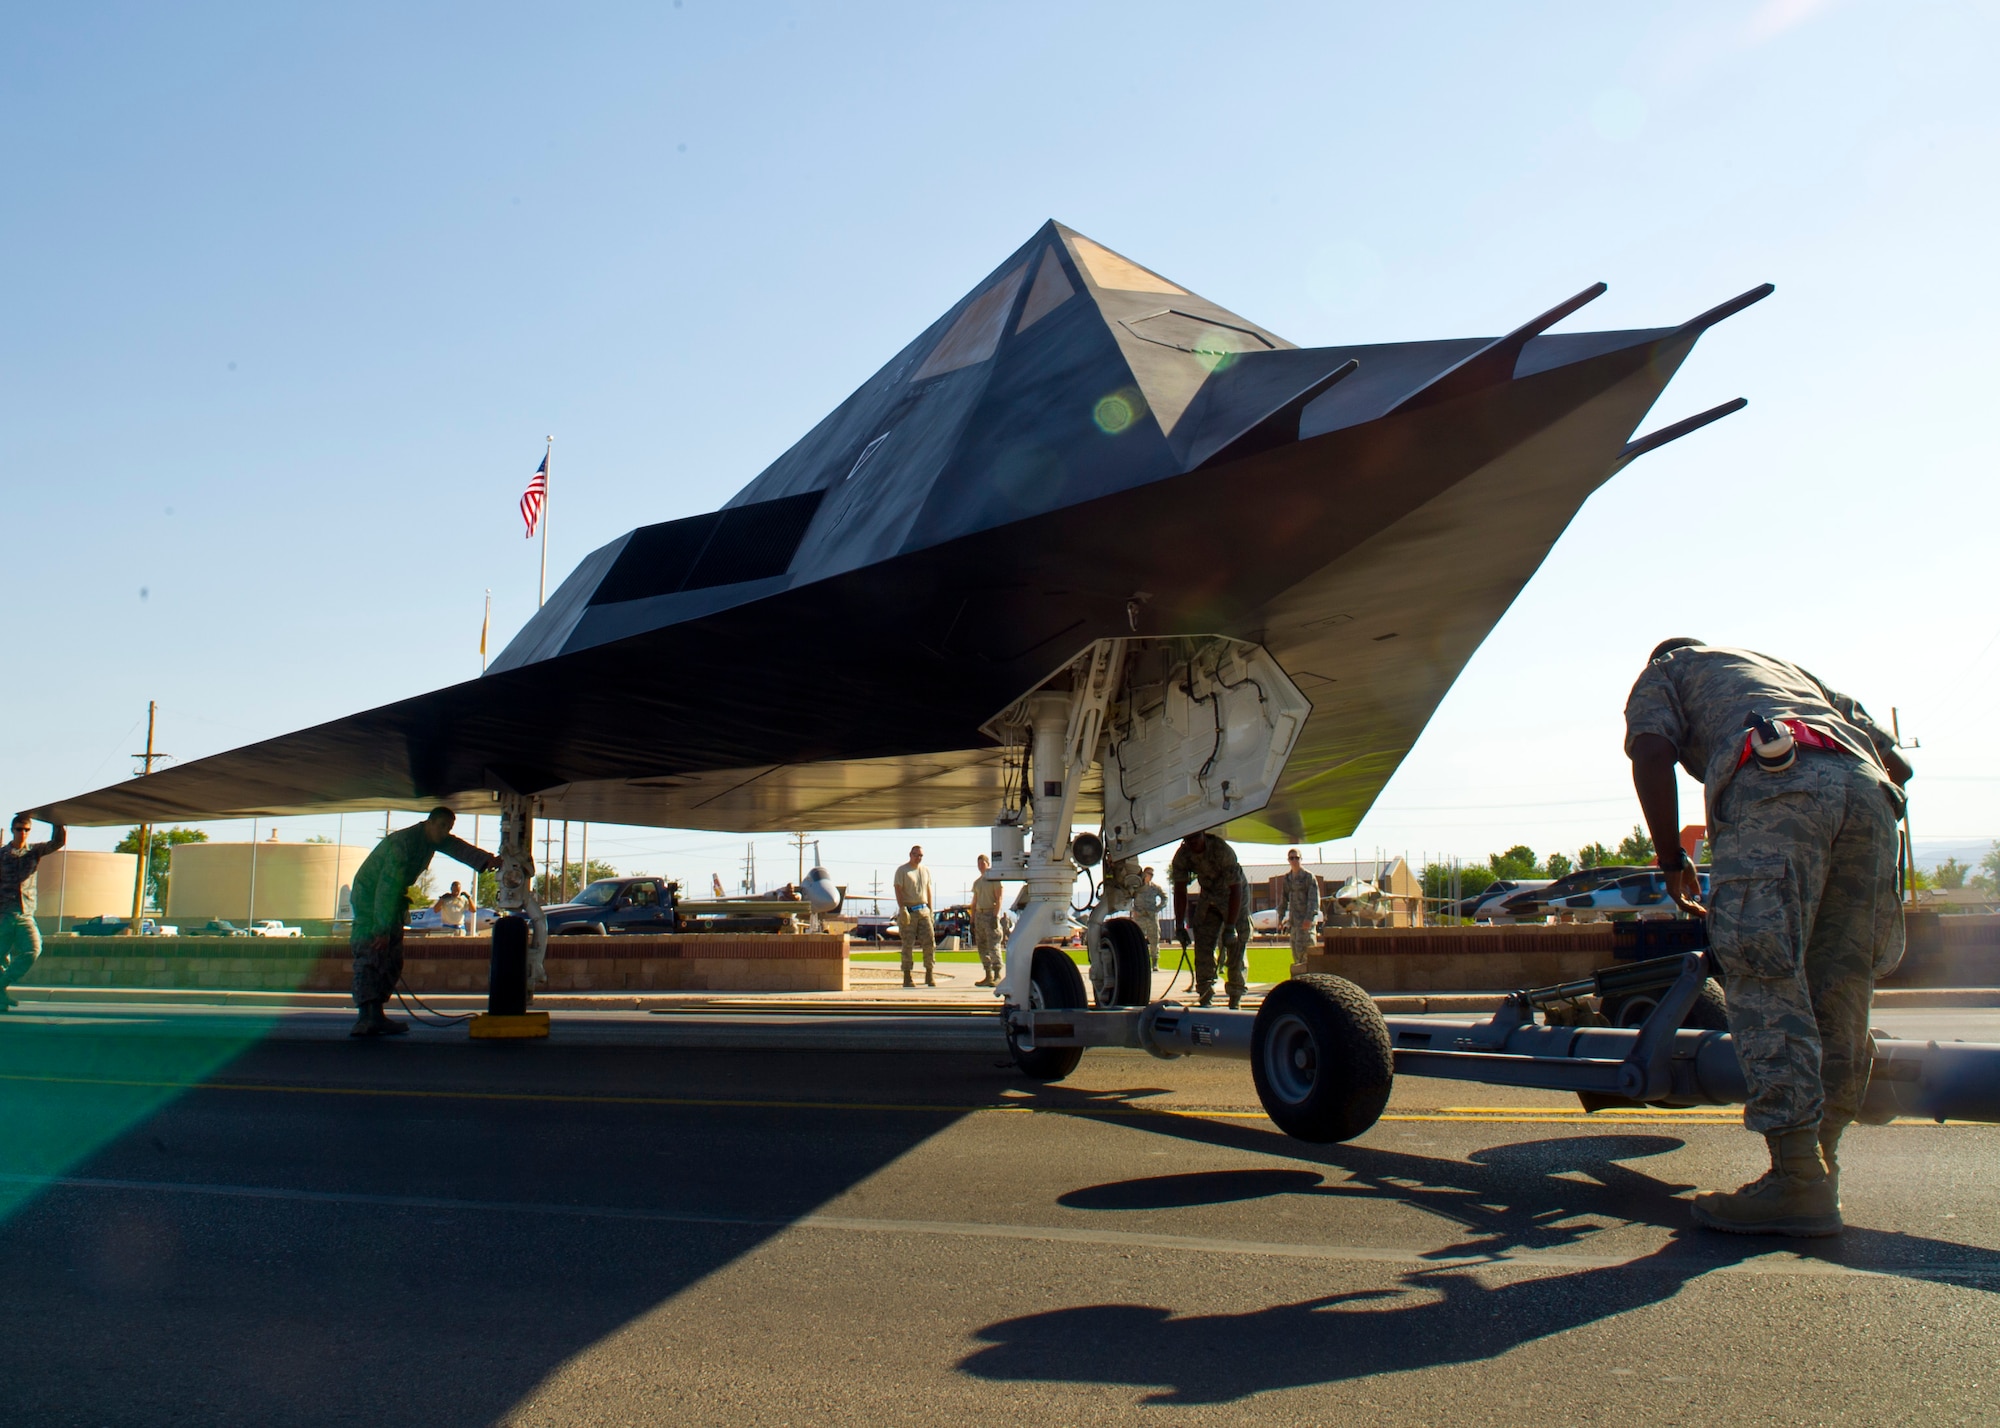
(612, 905)
(270, 927)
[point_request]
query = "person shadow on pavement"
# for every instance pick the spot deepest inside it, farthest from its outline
(1549, 1196)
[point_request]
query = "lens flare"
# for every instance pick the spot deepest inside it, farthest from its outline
(1117, 412)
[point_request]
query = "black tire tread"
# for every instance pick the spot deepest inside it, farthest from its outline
(1132, 969)
(1061, 985)
(1357, 1068)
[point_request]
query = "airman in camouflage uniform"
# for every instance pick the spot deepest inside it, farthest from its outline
(1146, 905)
(1803, 914)
(1221, 912)
(1298, 906)
(986, 923)
(20, 939)
(381, 902)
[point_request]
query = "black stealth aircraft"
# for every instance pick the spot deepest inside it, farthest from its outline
(1079, 449)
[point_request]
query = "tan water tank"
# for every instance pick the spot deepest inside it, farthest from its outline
(294, 881)
(74, 884)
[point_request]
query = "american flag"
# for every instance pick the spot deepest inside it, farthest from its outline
(533, 498)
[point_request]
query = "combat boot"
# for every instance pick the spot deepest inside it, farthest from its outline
(908, 980)
(1235, 1000)
(370, 1021)
(1794, 1197)
(1829, 1153)
(1204, 996)
(929, 980)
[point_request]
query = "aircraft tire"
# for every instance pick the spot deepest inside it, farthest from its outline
(1056, 983)
(1319, 1053)
(1131, 968)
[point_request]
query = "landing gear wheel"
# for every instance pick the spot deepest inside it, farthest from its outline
(1132, 969)
(1710, 1011)
(1053, 981)
(1319, 1052)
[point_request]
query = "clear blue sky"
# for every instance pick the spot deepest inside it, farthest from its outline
(294, 294)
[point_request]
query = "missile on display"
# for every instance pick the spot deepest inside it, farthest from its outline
(1079, 454)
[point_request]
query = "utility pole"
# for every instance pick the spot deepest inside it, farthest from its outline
(750, 869)
(565, 861)
(801, 840)
(145, 829)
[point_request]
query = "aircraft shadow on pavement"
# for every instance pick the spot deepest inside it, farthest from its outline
(347, 1286)
(1548, 1195)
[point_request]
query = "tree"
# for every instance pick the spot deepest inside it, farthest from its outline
(1637, 850)
(1517, 862)
(159, 857)
(1987, 879)
(1595, 855)
(549, 885)
(1558, 866)
(1950, 874)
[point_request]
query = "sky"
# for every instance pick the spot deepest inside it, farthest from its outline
(296, 294)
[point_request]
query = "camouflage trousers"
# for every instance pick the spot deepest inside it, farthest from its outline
(1208, 924)
(918, 931)
(1803, 917)
(378, 964)
(20, 945)
(1149, 923)
(1304, 943)
(986, 938)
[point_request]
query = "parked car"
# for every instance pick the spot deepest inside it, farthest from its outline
(1534, 902)
(1643, 893)
(614, 905)
(954, 922)
(875, 927)
(271, 927)
(150, 928)
(1484, 905)
(220, 927)
(103, 925)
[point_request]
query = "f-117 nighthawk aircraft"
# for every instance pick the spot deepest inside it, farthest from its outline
(1080, 454)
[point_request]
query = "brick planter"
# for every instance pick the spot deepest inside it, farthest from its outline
(811, 962)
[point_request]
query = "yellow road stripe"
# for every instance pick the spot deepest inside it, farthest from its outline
(1460, 1115)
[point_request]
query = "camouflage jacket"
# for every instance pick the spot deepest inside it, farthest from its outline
(1216, 868)
(1298, 896)
(1697, 698)
(400, 859)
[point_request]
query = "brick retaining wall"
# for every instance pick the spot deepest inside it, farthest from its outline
(1941, 952)
(809, 962)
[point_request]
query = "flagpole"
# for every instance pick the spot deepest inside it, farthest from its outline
(542, 597)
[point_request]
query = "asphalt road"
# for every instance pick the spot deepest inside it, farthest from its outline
(440, 1232)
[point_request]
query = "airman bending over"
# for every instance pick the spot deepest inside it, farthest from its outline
(381, 902)
(1221, 912)
(1804, 792)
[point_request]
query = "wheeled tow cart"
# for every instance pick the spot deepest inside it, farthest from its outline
(1187, 733)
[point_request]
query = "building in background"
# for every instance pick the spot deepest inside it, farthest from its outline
(73, 884)
(296, 882)
(1402, 898)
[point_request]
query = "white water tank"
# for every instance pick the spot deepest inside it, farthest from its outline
(294, 881)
